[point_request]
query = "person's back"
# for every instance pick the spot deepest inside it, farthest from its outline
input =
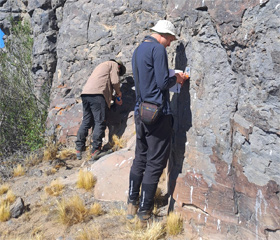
(154, 80)
(103, 80)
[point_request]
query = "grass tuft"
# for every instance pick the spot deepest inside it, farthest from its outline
(86, 180)
(4, 211)
(50, 150)
(66, 153)
(32, 159)
(117, 212)
(88, 234)
(158, 193)
(71, 211)
(88, 155)
(10, 197)
(174, 224)
(4, 188)
(19, 171)
(118, 143)
(37, 234)
(96, 209)
(153, 231)
(55, 188)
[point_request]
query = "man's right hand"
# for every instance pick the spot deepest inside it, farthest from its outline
(119, 99)
(181, 77)
(119, 102)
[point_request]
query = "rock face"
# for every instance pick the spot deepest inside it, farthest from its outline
(224, 166)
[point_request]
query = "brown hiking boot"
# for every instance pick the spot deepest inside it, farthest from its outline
(132, 207)
(145, 217)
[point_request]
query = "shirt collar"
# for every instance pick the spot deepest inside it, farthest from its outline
(150, 38)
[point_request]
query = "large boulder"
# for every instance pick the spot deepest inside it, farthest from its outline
(112, 174)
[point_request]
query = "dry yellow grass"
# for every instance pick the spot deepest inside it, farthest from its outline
(96, 209)
(118, 212)
(55, 188)
(156, 210)
(158, 193)
(10, 197)
(174, 224)
(71, 211)
(153, 231)
(117, 143)
(66, 153)
(19, 171)
(134, 225)
(50, 150)
(4, 188)
(88, 155)
(86, 180)
(32, 160)
(4, 211)
(93, 232)
(37, 234)
(53, 171)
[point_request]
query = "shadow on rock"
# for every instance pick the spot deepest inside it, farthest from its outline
(118, 116)
(180, 105)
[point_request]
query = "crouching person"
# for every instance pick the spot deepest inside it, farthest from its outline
(96, 98)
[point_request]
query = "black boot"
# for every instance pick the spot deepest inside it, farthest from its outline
(133, 195)
(147, 201)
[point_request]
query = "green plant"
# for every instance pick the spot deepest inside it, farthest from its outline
(22, 113)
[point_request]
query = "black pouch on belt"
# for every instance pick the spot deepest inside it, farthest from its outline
(149, 112)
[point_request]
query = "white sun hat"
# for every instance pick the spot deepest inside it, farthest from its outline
(164, 26)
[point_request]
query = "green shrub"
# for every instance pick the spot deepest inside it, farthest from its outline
(22, 114)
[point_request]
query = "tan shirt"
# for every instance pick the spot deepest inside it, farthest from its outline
(103, 80)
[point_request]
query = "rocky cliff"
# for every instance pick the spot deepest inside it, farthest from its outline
(225, 161)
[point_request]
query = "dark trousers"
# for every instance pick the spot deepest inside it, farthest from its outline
(94, 116)
(153, 143)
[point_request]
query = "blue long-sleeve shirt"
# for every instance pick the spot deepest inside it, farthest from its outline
(154, 80)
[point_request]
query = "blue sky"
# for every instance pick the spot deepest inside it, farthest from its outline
(1, 40)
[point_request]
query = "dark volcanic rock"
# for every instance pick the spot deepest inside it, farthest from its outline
(224, 166)
(17, 208)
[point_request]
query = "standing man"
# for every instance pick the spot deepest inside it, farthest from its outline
(152, 141)
(96, 97)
